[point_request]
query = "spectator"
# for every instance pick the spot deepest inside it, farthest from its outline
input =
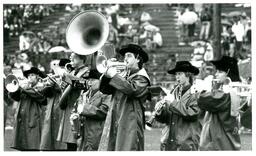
(113, 33)
(208, 56)
(206, 17)
(248, 32)
(238, 30)
(198, 55)
(149, 33)
(188, 20)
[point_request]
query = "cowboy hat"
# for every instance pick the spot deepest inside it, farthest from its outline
(135, 49)
(35, 71)
(184, 66)
(228, 65)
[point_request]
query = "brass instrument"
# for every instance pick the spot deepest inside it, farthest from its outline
(102, 64)
(12, 83)
(69, 67)
(87, 32)
(242, 90)
(52, 78)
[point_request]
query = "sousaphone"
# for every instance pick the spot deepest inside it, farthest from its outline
(87, 32)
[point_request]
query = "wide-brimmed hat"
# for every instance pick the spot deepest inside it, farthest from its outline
(136, 49)
(228, 65)
(35, 71)
(63, 62)
(184, 66)
(94, 74)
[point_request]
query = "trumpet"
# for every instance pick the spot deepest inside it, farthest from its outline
(52, 78)
(11, 83)
(151, 120)
(102, 64)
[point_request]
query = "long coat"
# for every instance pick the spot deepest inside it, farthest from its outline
(67, 103)
(182, 131)
(220, 130)
(93, 118)
(52, 121)
(124, 125)
(28, 119)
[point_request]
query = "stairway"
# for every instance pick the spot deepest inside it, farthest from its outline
(229, 7)
(47, 25)
(164, 17)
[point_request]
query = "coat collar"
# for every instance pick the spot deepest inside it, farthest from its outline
(141, 72)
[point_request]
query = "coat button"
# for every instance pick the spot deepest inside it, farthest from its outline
(173, 123)
(171, 140)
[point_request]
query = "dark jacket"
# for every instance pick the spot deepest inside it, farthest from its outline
(182, 122)
(220, 130)
(28, 118)
(124, 125)
(52, 120)
(93, 118)
(67, 103)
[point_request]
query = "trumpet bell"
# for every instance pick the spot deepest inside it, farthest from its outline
(11, 83)
(101, 63)
(87, 32)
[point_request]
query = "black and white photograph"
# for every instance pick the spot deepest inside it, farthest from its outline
(135, 76)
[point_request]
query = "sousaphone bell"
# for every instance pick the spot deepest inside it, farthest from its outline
(87, 32)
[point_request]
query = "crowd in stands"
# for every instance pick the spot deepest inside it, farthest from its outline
(18, 18)
(123, 28)
(235, 35)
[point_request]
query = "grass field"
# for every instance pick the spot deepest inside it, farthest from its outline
(152, 140)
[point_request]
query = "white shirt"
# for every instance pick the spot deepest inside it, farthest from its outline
(238, 30)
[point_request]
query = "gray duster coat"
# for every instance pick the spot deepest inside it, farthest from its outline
(124, 125)
(28, 119)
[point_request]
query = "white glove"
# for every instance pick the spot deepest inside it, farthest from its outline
(169, 98)
(80, 108)
(111, 72)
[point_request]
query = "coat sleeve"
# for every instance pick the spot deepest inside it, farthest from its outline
(136, 87)
(15, 95)
(49, 91)
(35, 95)
(97, 110)
(105, 88)
(186, 107)
(214, 101)
(164, 117)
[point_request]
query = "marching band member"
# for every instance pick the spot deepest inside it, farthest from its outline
(93, 108)
(52, 117)
(180, 112)
(220, 129)
(53, 113)
(124, 125)
(63, 63)
(68, 101)
(28, 116)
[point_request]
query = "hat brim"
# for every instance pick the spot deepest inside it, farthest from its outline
(140, 52)
(38, 72)
(94, 74)
(191, 69)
